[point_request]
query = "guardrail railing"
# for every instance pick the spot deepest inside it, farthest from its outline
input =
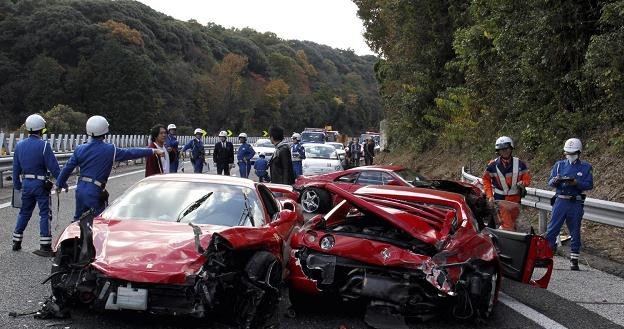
(596, 210)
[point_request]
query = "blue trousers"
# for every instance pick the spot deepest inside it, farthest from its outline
(198, 166)
(263, 175)
(173, 166)
(297, 168)
(87, 197)
(33, 194)
(244, 169)
(570, 212)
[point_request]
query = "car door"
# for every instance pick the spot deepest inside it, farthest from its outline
(521, 253)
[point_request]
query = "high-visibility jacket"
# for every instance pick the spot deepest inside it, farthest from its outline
(500, 179)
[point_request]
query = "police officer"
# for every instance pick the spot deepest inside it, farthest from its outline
(571, 177)
(95, 160)
(172, 148)
(32, 159)
(198, 154)
(297, 152)
(223, 156)
(506, 178)
(244, 154)
(261, 167)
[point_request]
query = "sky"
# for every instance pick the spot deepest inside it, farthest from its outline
(330, 22)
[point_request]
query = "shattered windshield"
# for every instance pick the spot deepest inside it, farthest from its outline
(196, 202)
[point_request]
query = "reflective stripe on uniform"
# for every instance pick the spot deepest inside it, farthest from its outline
(31, 176)
(506, 190)
(18, 237)
(45, 240)
(574, 255)
(91, 180)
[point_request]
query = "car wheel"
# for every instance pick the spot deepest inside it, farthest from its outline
(489, 293)
(264, 271)
(314, 200)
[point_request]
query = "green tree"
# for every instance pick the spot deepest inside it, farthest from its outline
(62, 119)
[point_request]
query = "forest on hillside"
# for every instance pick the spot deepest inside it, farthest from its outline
(455, 74)
(138, 67)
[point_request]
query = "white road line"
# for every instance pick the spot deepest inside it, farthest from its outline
(529, 313)
(8, 204)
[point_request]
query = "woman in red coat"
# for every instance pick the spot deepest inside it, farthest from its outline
(157, 165)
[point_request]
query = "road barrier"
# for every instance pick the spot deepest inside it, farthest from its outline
(596, 210)
(64, 145)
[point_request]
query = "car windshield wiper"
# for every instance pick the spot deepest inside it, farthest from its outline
(247, 213)
(188, 209)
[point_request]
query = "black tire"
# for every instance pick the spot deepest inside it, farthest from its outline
(265, 271)
(489, 291)
(315, 200)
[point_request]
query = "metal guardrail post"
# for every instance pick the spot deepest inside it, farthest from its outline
(542, 221)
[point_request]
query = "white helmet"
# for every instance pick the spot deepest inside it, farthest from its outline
(222, 133)
(35, 122)
(198, 131)
(97, 126)
(504, 142)
(242, 135)
(171, 126)
(296, 136)
(573, 145)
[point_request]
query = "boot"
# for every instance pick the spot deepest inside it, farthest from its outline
(574, 264)
(45, 250)
(17, 245)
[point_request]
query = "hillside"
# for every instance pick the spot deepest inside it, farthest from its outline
(138, 67)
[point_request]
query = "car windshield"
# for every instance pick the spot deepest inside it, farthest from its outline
(264, 143)
(410, 175)
(196, 202)
(312, 137)
(337, 146)
(320, 152)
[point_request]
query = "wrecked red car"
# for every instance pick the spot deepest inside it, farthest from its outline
(410, 253)
(315, 199)
(180, 244)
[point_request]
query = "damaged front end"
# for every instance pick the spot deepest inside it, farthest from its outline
(239, 286)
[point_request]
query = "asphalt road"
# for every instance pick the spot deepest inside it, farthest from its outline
(585, 299)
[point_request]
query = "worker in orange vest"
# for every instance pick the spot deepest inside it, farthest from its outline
(506, 178)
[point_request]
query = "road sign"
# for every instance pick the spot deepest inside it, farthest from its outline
(229, 132)
(265, 133)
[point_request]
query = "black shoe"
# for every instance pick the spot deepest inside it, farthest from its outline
(574, 264)
(17, 245)
(45, 250)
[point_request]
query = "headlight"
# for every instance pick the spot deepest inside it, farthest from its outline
(327, 242)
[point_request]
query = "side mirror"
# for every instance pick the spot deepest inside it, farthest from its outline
(285, 216)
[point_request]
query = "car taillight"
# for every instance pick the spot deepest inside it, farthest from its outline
(311, 236)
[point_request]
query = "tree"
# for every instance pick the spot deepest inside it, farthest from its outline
(62, 119)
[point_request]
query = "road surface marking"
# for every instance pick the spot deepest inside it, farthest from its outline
(529, 313)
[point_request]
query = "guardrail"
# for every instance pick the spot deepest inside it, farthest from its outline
(64, 145)
(596, 210)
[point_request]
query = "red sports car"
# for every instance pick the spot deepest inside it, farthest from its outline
(181, 244)
(408, 253)
(315, 199)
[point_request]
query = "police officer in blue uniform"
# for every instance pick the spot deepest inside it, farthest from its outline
(261, 167)
(198, 154)
(173, 148)
(571, 177)
(244, 154)
(32, 159)
(96, 159)
(297, 152)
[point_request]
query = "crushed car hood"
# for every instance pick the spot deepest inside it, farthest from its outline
(145, 251)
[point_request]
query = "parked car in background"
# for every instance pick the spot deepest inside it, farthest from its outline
(265, 146)
(409, 253)
(342, 153)
(195, 245)
(320, 159)
(313, 136)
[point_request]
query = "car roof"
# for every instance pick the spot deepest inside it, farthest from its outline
(263, 140)
(203, 178)
(379, 167)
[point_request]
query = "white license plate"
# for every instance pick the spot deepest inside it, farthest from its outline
(132, 298)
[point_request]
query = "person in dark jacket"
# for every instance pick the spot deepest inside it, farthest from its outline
(223, 156)
(154, 164)
(281, 164)
(173, 148)
(369, 151)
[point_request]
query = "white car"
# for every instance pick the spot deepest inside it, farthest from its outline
(320, 159)
(265, 146)
(342, 153)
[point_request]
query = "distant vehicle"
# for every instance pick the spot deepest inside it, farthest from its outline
(332, 135)
(320, 159)
(342, 153)
(313, 136)
(265, 146)
(375, 136)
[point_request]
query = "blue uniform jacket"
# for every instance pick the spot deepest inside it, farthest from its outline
(33, 156)
(172, 141)
(245, 152)
(96, 160)
(297, 151)
(261, 165)
(580, 170)
(196, 146)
